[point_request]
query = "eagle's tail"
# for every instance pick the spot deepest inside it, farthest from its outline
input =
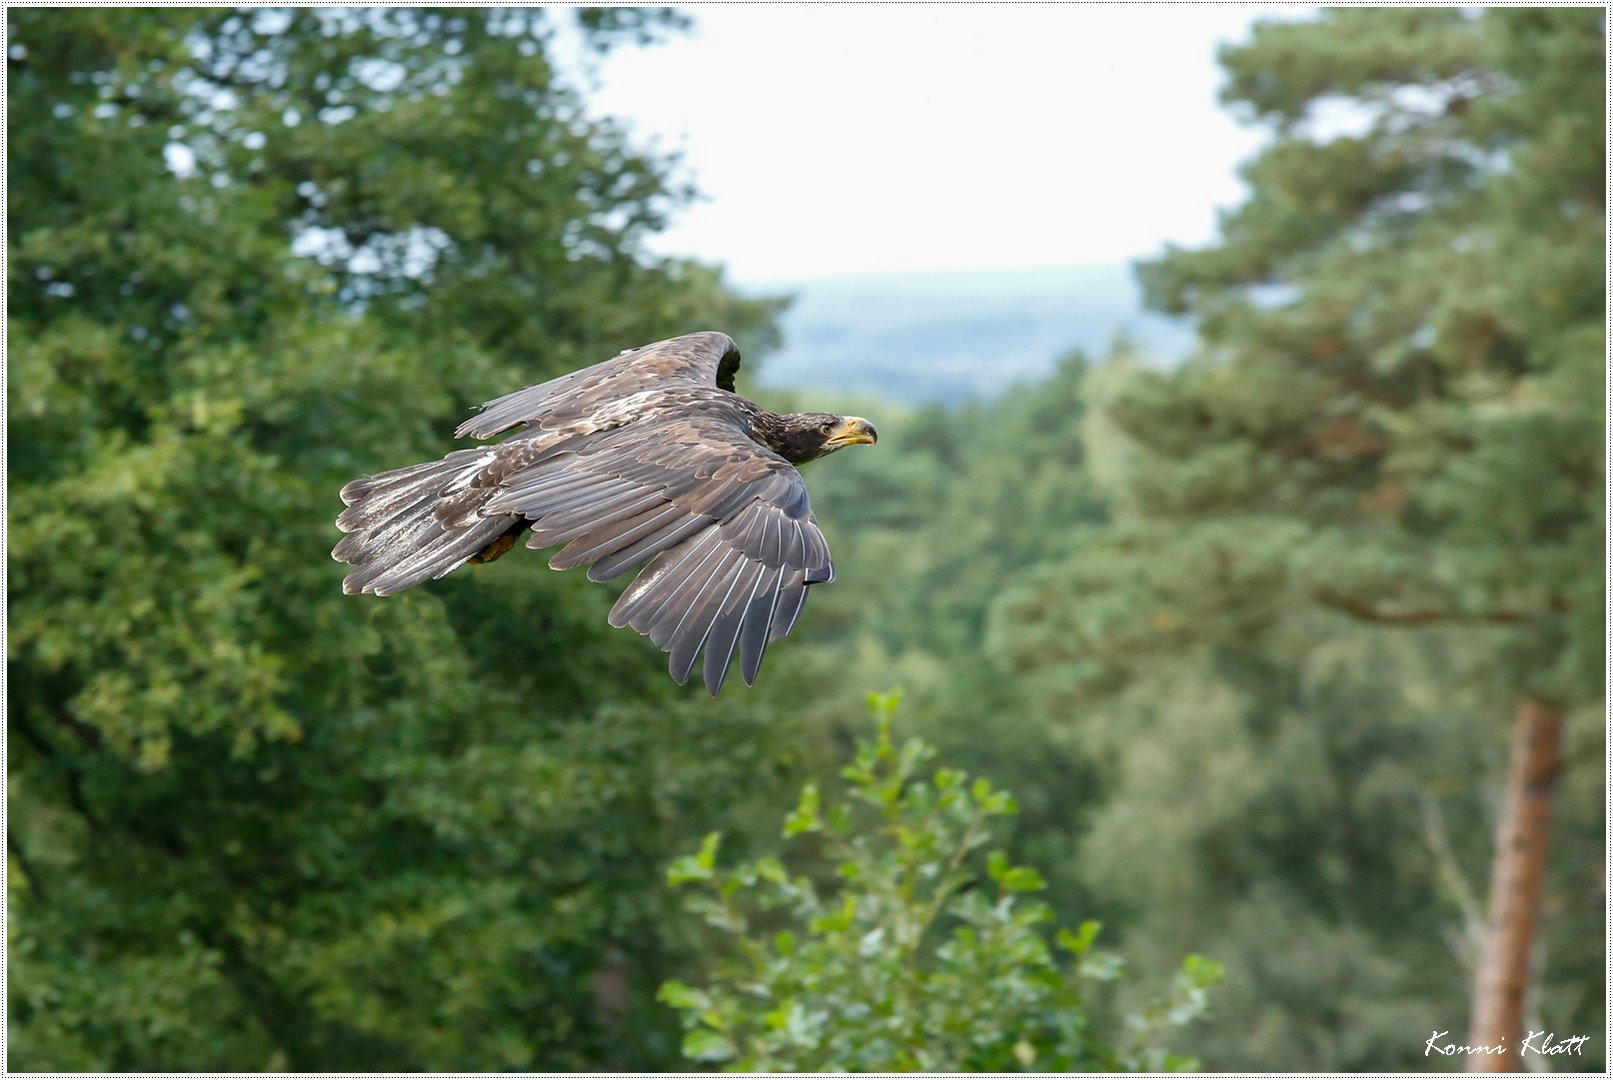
(396, 537)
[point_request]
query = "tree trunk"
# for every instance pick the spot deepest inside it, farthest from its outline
(1516, 884)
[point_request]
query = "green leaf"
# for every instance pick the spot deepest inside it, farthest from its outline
(1022, 879)
(679, 996)
(1080, 941)
(837, 920)
(886, 704)
(805, 817)
(684, 869)
(1201, 971)
(705, 1045)
(697, 867)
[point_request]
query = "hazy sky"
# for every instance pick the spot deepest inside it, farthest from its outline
(846, 138)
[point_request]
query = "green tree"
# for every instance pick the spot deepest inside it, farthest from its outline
(1395, 420)
(960, 504)
(918, 957)
(257, 824)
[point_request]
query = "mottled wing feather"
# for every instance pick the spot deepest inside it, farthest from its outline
(709, 358)
(721, 525)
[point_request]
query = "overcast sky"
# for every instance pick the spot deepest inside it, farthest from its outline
(852, 138)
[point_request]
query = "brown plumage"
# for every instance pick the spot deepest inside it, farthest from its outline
(647, 460)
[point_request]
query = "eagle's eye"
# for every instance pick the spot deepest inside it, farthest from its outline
(825, 429)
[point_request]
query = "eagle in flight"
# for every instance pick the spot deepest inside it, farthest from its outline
(646, 460)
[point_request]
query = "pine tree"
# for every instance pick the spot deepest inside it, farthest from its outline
(1396, 415)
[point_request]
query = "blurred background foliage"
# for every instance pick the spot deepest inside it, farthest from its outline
(1243, 636)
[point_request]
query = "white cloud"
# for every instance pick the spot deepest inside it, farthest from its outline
(836, 138)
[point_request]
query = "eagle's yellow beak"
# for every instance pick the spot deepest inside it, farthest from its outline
(852, 429)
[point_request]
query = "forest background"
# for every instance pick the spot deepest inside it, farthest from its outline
(1253, 640)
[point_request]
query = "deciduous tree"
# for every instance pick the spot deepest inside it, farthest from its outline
(255, 823)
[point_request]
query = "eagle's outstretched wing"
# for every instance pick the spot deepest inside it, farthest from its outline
(705, 359)
(606, 468)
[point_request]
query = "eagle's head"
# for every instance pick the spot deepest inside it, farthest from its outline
(800, 437)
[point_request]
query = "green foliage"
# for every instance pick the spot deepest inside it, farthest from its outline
(922, 950)
(1350, 532)
(1398, 410)
(954, 509)
(255, 823)
(259, 825)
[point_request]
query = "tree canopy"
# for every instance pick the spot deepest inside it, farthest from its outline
(252, 256)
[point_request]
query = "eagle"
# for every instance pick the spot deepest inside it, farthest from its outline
(649, 460)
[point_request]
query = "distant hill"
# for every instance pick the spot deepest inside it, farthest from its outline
(946, 335)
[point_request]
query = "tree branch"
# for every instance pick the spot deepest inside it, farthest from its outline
(1367, 612)
(72, 781)
(1471, 938)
